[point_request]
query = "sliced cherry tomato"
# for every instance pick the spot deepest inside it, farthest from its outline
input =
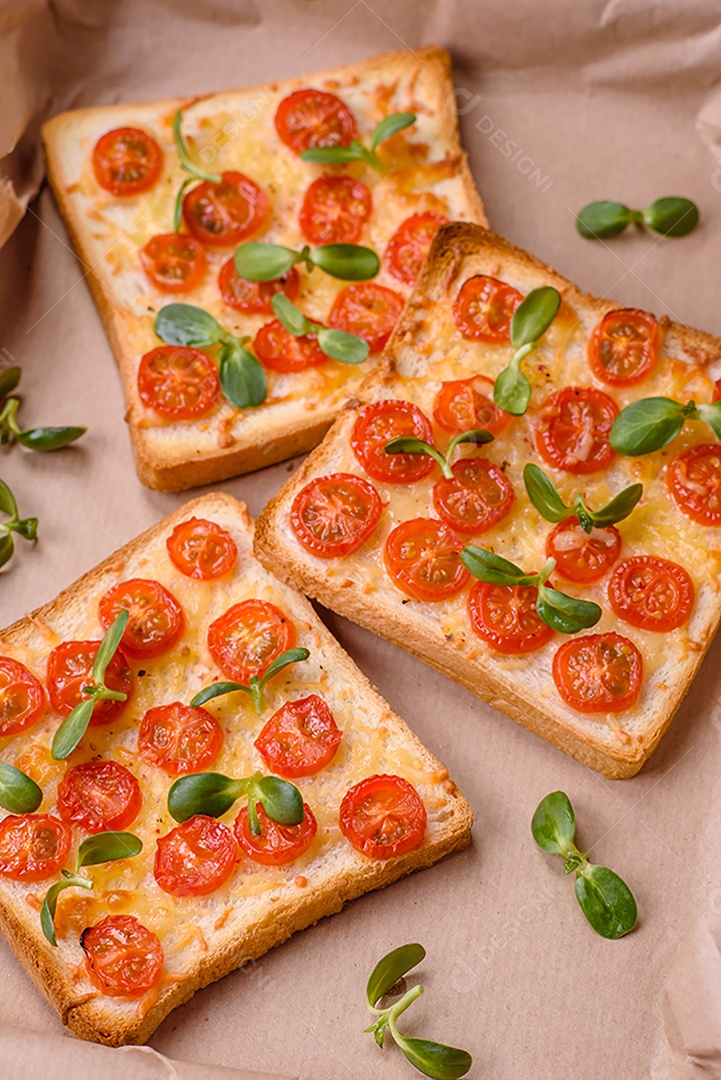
(300, 738)
(504, 616)
(382, 421)
(279, 350)
(225, 214)
(254, 297)
(70, 668)
(334, 210)
(99, 795)
(180, 739)
(623, 348)
(383, 816)
(573, 430)
(22, 697)
(123, 958)
(717, 390)
(175, 263)
(370, 311)
(484, 308)
(694, 481)
(467, 404)
(127, 161)
(598, 673)
(410, 244)
(33, 846)
(177, 382)
(195, 858)
(201, 550)
(248, 637)
(477, 498)
(310, 118)
(277, 844)
(423, 558)
(156, 618)
(334, 515)
(652, 594)
(582, 556)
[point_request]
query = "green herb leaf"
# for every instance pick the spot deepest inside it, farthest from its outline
(108, 647)
(534, 315)
(606, 901)
(289, 315)
(184, 324)
(391, 126)
(27, 528)
(335, 155)
(72, 729)
(7, 501)
(512, 389)
(9, 379)
(647, 425)
(207, 793)
(671, 216)
(618, 508)
(264, 262)
(108, 846)
(49, 438)
(281, 800)
(178, 208)
(216, 689)
(242, 377)
(7, 547)
(185, 160)
(711, 415)
(554, 824)
(604, 218)
(348, 262)
(343, 347)
(477, 436)
(290, 656)
(542, 493)
(50, 901)
(390, 968)
(565, 614)
(436, 1060)
(19, 794)
(494, 569)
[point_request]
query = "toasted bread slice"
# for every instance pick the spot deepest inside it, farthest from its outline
(426, 171)
(426, 350)
(259, 906)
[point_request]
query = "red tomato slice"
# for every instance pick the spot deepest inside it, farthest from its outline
(367, 310)
(410, 244)
(179, 739)
(248, 637)
(254, 297)
(175, 263)
(225, 214)
(422, 557)
(335, 515)
(504, 616)
(156, 618)
(477, 498)
(177, 382)
(598, 673)
(277, 844)
(195, 858)
(694, 481)
(382, 421)
(623, 348)
(201, 550)
(573, 429)
(334, 210)
(127, 161)
(467, 404)
(70, 668)
(122, 957)
(383, 816)
(279, 350)
(33, 847)
(310, 118)
(22, 697)
(484, 308)
(717, 390)
(99, 795)
(582, 556)
(300, 738)
(652, 594)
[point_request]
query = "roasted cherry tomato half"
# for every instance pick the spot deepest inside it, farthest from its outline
(277, 844)
(334, 515)
(582, 556)
(180, 739)
(694, 481)
(122, 957)
(652, 594)
(477, 498)
(623, 348)
(300, 738)
(201, 550)
(127, 161)
(467, 404)
(33, 847)
(423, 558)
(334, 210)
(279, 350)
(99, 795)
(195, 858)
(248, 637)
(70, 668)
(382, 421)
(156, 618)
(175, 263)
(177, 382)
(504, 616)
(254, 297)
(310, 118)
(225, 214)
(484, 308)
(22, 697)
(598, 673)
(367, 310)
(383, 816)
(573, 429)
(410, 244)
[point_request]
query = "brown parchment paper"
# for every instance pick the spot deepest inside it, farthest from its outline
(561, 103)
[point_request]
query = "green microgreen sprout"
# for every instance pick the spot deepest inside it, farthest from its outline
(356, 151)
(531, 319)
(189, 166)
(652, 423)
(43, 439)
(336, 344)
(544, 496)
(19, 794)
(255, 685)
(13, 523)
(670, 216)
(213, 794)
(407, 445)
(258, 261)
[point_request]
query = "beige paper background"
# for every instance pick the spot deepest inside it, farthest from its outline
(601, 99)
